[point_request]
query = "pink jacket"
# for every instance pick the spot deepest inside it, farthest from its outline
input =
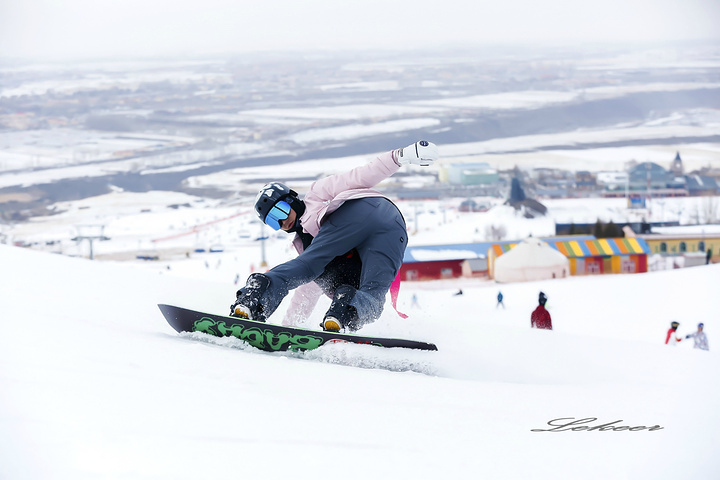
(324, 197)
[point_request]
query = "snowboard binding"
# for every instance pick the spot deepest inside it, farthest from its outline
(341, 315)
(247, 304)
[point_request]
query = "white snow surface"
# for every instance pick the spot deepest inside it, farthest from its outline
(94, 384)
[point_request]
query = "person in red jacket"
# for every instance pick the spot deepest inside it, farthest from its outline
(540, 317)
(671, 338)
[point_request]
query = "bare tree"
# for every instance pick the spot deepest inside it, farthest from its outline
(710, 209)
(495, 233)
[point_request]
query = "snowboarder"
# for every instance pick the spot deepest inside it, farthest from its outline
(540, 317)
(500, 300)
(672, 338)
(699, 338)
(350, 240)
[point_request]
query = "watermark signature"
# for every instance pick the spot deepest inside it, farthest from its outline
(570, 424)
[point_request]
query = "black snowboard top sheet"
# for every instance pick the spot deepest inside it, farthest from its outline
(270, 337)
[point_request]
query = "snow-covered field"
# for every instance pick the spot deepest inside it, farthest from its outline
(38, 156)
(67, 157)
(94, 383)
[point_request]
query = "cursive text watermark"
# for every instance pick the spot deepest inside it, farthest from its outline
(570, 424)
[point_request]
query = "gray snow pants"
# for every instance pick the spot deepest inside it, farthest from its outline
(375, 227)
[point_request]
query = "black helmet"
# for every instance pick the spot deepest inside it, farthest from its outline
(674, 324)
(270, 194)
(542, 299)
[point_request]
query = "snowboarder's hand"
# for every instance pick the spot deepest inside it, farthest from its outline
(421, 153)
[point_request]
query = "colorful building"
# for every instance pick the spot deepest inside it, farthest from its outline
(592, 256)
(680, 244)
(431, 262)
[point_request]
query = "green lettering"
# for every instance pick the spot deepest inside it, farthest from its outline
(264, 340)
(276, 342)
(305, 342)
(254, 336)
(205, 325)
(232, 330)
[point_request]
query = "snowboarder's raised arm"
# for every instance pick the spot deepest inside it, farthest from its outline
(421, 153)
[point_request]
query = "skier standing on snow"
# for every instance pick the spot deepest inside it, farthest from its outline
(699, 338)
(350, 239)
(672, 338)
(415, 302)
(500, 300)
(540, 317)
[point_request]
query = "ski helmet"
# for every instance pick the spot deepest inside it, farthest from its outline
(675, 324)
(542, 299)
(271, 194)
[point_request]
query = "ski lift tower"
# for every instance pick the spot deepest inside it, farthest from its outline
(90, 233)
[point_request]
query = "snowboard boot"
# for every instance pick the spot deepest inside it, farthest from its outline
(248, 303)
(341, 315)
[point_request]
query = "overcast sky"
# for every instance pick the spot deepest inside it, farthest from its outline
(62, 29)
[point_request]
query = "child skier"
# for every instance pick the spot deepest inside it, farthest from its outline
(671, 338)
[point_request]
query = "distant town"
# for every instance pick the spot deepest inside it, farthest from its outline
(74, 131)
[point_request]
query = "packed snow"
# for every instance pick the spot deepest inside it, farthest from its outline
(95, 384)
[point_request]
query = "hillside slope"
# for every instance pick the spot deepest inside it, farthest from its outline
(94, 383)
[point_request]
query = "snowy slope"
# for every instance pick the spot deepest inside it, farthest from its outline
(95, 385)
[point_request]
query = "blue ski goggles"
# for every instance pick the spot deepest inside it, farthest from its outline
(279, 212)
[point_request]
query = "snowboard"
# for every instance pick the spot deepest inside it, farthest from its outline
(271, 337)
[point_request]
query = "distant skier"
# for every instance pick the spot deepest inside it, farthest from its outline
(350, 240)
(415, 303)
(672, 338)
(459, 292)
(540, 317)
(500, 300)
(699, 338)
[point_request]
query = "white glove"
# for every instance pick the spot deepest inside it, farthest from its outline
(421, 153)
